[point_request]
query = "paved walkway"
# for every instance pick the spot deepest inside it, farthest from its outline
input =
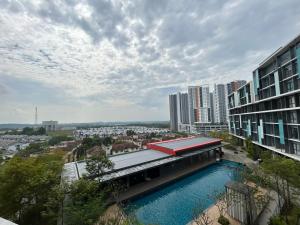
(213, 214)
(149, 185)
(240, 156)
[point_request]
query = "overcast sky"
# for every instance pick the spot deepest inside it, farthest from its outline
(96, 60)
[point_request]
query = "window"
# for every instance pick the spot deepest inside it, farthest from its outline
(285, 57)
(290, 85)
(296, 148)
(292, 117)
(294, 132)
(287, 71)
(292, 102)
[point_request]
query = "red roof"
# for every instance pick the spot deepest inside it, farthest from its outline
(183, 144)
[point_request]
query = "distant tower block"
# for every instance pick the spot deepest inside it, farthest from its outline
(36, 116)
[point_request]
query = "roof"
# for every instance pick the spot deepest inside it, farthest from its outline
(126, 160)
(132, 161)
(6, 222)
(174, 146)
(278, 52)
(137, 168)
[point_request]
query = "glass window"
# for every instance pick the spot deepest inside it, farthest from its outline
(296, 148)
(290, 85)
(292, 117)
(287, 71)
(294, 132)
(292, 102)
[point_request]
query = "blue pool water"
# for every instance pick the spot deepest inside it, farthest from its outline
(175, 203)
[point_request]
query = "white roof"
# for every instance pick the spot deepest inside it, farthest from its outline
(6, 222)
(123, 164)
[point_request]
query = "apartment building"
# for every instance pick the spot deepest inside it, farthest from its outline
(173, 112)
(199, 104)
(179, 112)
(267, 109)
(235, 85)
(219, 104)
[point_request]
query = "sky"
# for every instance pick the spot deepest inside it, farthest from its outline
(98, 60)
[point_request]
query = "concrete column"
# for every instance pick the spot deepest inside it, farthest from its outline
(127, 181)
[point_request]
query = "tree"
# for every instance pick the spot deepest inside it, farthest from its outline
(32, 131)
(25, 187)
(220, 201)
(97, 165)
(40, 131)
(200, 215)
(283, 174)
(223, 220)
(276, 220)
(130, 132)
(86, 144)
(58, 139)
(249, 147)
(86, 202)
(33, 148)
(116, 216)
(115, 188)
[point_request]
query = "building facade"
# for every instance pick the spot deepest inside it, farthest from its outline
(199, 104)
(50, 125)
(211, 95)
(173, 112)
(235, 85)
(267, 109)
(206, 128)
(219, 104)
(179, 112)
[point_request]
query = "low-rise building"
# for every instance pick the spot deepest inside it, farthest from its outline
(160, 161)
(50, 125)
(205, 128)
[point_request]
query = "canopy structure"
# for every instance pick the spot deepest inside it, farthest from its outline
(178, 146)
(158, 154)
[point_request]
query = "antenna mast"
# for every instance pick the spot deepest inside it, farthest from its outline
(36, 116)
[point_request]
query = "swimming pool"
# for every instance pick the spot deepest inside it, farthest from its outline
(174, 204)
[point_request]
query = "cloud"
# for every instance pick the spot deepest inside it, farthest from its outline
(102, 57)
(3, 90)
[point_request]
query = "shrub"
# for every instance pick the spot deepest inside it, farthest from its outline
(223, 220)
(58, 139)
(276, 220)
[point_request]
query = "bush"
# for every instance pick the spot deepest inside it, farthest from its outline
(85, 204)
(58, 139)
(33, 148)
(223, 220)
(276, 220)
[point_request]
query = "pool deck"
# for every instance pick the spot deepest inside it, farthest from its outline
(155, 183)
(241, 157)
(213, 214)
